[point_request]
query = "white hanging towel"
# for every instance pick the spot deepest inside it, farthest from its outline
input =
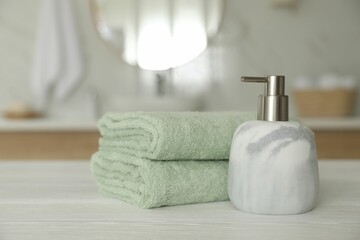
(72, 60)
(58, 63)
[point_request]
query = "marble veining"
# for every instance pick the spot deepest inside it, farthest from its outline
(273, 168)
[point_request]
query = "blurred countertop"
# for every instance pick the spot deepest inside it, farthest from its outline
(352, 123)
(45, 125)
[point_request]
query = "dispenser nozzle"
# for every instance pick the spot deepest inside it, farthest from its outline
(273, 104)
(255, 79)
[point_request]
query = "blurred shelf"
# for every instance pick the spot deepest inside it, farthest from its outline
(48, 144)
(71, 139)
(48, 139)
(336, 137)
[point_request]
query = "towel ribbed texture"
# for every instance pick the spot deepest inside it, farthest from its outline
(159, 159)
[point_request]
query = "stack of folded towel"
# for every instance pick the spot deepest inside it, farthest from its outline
(159, 159)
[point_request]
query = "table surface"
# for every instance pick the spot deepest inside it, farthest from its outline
(59, 200)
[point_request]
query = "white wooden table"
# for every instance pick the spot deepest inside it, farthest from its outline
(59, 200)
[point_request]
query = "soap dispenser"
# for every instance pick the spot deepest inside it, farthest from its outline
(273, 166)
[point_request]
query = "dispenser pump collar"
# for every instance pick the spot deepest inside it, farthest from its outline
(273, 104)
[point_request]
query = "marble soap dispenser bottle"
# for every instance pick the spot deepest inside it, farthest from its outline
(273, 166)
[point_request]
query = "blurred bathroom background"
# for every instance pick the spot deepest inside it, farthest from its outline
(310, 42)
(70, 60)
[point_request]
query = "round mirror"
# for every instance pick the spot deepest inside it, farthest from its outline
(157, 34)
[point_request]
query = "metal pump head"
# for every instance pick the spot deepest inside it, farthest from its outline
(273, 105)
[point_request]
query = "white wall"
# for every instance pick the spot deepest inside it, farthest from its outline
(318, 37)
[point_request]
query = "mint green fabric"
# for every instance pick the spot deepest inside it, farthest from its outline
(171, 136)
(150, 184)
(160, 159)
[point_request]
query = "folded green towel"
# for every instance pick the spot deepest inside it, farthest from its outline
(171, 136)
(152, 159)
(150, 184)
